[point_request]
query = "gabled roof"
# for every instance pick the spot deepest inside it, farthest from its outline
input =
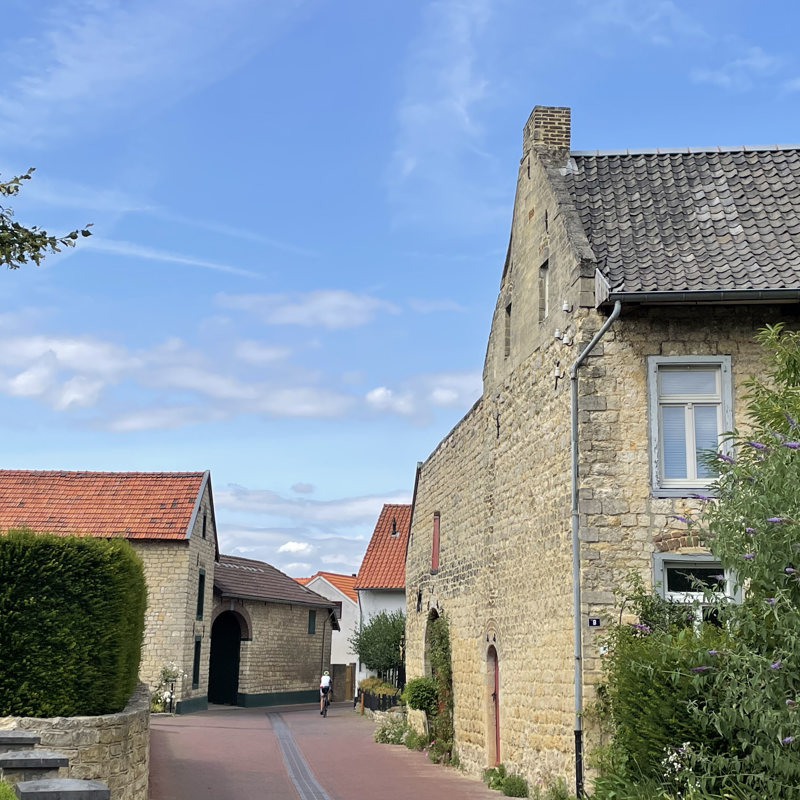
(133, 505)
(691, 221)
(344, 583)
(248, 579)
(384, 563)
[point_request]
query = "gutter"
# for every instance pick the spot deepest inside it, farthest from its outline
(708, 296)
(576, 549)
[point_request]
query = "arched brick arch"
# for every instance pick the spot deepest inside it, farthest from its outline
(240, 612)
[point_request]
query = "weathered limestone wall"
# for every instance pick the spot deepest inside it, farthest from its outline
(172, 570)
(500, 482)
(112, 748)
(282, 658)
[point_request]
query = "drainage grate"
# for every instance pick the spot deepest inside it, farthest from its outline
(299, 772)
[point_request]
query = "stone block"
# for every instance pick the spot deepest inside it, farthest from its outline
(62, 789)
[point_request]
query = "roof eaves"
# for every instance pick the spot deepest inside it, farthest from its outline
(225, 593)
(706, 296)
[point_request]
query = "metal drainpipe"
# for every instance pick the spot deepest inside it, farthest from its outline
(576, 551)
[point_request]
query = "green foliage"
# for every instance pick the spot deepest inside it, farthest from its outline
(718, 714)
(6, 792)
(391, 730)
(437, 644)
(494, 776)
(20, 244)
(415, 741)
(377, 686)
(515, 786)
(71, 624)
(421, 695)
(378, 643)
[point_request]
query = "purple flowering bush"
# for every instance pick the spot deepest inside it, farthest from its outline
(728, 692)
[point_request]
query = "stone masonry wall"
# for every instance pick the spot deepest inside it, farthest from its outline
(172, 571)
(282, 655)
(500, 481)
(112, 748)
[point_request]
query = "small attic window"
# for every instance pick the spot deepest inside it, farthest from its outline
(394, 526)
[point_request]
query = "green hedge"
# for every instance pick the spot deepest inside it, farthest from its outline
(71, 624)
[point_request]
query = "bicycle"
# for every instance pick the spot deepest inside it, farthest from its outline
(325, 703)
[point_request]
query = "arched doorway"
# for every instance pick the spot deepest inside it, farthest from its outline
(223, 672)
(493, 726)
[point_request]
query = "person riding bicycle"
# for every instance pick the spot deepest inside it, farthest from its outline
(324, 689)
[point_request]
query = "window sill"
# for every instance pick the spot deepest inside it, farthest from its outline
(683, 491)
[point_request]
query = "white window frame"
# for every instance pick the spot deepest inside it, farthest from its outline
(682, 487)
(662, 562)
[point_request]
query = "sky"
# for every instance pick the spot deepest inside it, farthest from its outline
(300, 211)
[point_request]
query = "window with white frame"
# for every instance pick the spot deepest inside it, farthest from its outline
(690, 407)
(693, 579)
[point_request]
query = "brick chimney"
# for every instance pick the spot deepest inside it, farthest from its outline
(547, 126)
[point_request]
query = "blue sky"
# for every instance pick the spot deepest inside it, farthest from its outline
(300, 214)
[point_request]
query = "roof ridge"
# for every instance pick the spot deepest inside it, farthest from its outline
(62, 472)
(684, 150)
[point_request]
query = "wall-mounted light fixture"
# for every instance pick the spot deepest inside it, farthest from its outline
(566, 306)
(556, 334)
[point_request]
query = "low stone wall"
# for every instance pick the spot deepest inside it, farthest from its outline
(112, 748)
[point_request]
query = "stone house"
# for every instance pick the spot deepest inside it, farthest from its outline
(631, 291)
(168, 517)
(380, 582)
(341, 589)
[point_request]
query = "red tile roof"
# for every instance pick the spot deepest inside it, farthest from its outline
(344, 583)
(384, 564)
(134, 505)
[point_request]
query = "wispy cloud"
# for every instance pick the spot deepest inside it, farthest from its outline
(99, 59)
(131, 250)
(439, 163)
(328, 308)
(743, 72)
(662, 22)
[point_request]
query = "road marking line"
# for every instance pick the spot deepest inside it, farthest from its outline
(296, 766)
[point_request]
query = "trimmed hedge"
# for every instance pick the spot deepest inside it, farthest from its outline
(71, 624)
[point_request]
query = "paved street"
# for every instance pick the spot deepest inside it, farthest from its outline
(288, 753)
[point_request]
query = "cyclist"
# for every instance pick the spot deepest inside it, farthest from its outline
(324, 688)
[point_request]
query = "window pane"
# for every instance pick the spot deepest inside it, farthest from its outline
(706, 437)
(673, 441)
(688, 381)
(694, 579)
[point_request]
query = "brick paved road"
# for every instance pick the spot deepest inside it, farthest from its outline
(291, 753)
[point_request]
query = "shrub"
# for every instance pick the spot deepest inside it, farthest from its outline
(494, 776)
(378, 643)
(6, 792)
(415, 741)
(515, 786)
(376, 686)
(421, 694)
(71, 624)
(392, 730)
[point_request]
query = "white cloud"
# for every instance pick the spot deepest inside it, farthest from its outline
(348, 510)
(328, 308)
(258, 353)
(743, 72)
(303, 488)
(384, 399)
(160, 418)
(434, 306)
(662, 22)
(96, 60)
(301, 548)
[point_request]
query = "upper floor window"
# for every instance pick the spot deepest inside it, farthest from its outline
(312, 621)
(507, 333)
(690, 406)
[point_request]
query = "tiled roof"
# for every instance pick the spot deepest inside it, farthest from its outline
(384, 563)
(134, 505)
(691, 220)
(344, 583)
(257, 580)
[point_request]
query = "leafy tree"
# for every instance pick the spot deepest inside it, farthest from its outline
(378, 643)
(20, 244)
(717, 713)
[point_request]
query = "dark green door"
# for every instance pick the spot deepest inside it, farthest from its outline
(223, 676)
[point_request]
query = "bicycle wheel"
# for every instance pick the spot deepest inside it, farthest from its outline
(325, 706)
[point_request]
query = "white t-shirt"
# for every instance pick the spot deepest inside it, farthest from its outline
(325, 682)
